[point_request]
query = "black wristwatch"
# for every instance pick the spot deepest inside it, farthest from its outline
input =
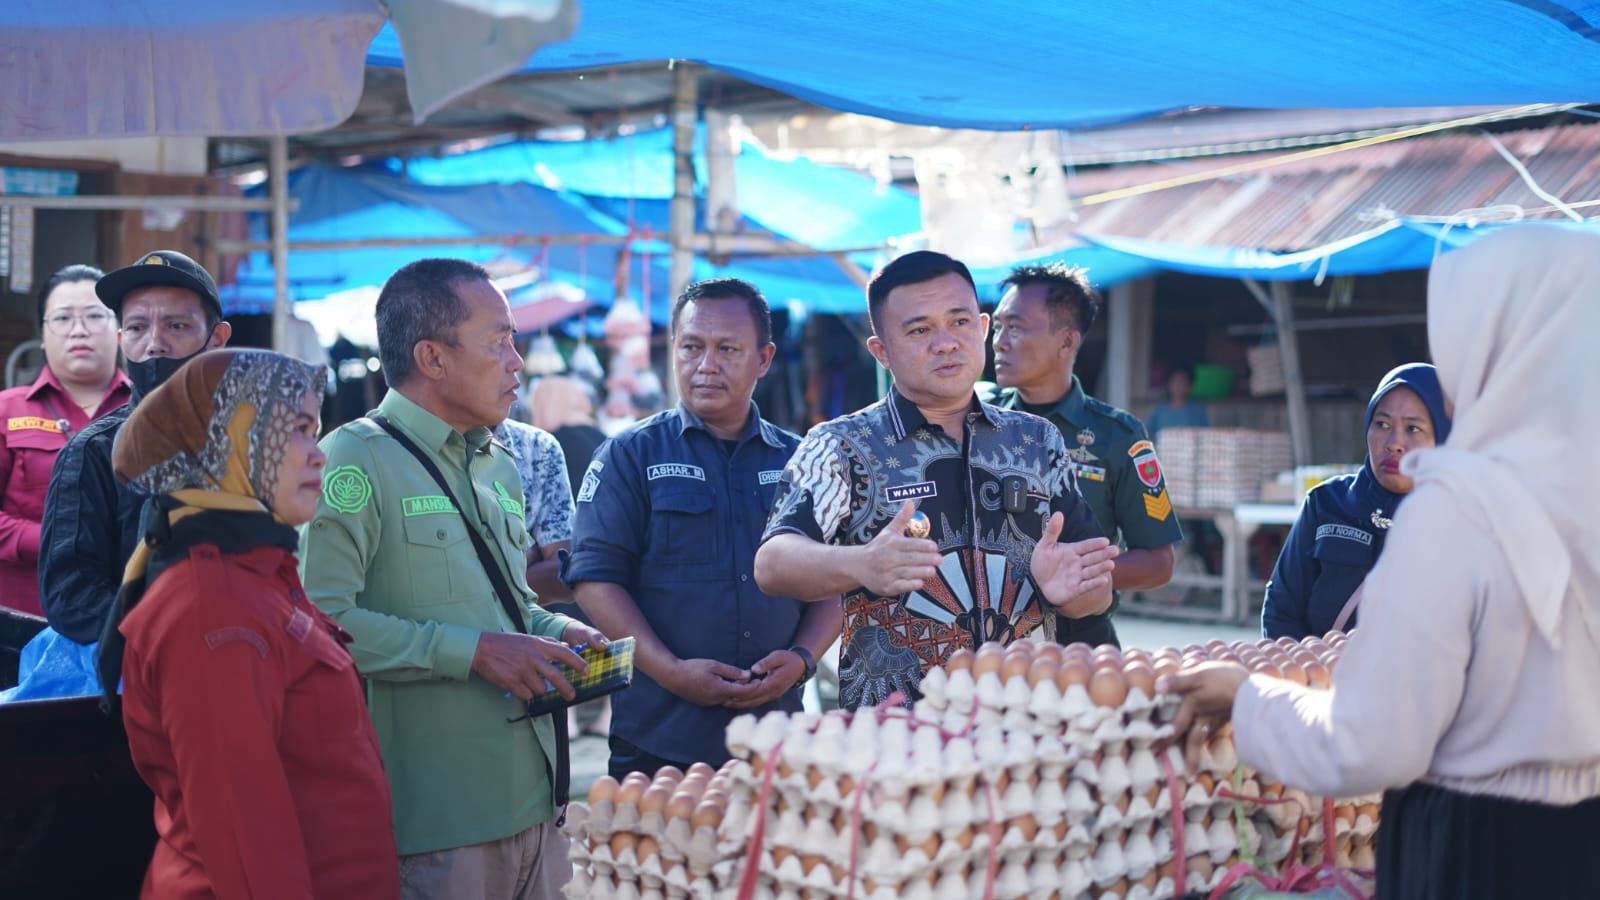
(808, 659)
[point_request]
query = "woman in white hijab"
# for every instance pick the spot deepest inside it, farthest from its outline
(1468, 693)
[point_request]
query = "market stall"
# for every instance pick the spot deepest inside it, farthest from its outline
(1028, 770)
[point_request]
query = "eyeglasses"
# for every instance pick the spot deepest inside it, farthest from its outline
(95, 321)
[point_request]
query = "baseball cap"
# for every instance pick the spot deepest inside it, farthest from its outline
(159, 267)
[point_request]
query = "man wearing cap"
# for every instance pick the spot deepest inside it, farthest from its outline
(169, 313)
(1039, 327)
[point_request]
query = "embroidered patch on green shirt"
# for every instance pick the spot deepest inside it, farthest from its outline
(346, 489)
(507, 502)
(426, 506)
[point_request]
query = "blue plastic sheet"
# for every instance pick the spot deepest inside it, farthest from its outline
(54, 666)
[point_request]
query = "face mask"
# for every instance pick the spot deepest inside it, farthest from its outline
(153, 372)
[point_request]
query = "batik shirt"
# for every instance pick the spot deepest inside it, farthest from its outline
(546, 490)
(988, 494)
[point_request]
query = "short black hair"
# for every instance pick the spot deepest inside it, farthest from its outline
(912, 268)
(1067, 290)
(66, 275)
(420, 303)
(729, 289)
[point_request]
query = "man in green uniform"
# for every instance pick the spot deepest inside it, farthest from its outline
(1039, 327)
(389, 556)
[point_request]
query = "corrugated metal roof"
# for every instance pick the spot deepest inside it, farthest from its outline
(1306, 203)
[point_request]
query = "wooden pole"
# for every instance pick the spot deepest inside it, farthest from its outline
(1293, 379)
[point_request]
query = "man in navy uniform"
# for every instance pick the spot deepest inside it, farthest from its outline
(669, 517)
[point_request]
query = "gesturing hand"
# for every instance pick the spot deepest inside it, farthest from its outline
(892, 564)
(524, 664)
(775, 673)
(1074, 578)
(1208, 691)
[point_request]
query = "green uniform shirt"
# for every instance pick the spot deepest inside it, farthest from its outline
(387, 555)
(1116, 467)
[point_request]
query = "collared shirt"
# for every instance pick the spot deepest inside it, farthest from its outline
(669, 514)
(245, 717)
(387, 556)
(36, 422)
(546, 492)
(988, 494)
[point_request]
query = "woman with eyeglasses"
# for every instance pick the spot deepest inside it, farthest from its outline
(80, 383)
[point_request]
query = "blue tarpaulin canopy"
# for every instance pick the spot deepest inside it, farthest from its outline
(1010, 64)
(368, 202)
(103, 68)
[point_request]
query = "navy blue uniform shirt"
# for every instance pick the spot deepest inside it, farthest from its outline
(667, 513)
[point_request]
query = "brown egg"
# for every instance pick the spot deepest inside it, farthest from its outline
(847, 785)
(813, 778)
(930, 847)
(1346, 813)
(1272, 790)
(1149, 881)
(1107, 652)
(1049, 651)
(1140, 675)
(809, 863)
(631, 791)
(720, 783)
(1270, 670)
(780, 855)
(1370, 810)
(1072, 671)
(959, 661)
(1043, 670)
(1108, 689)
(681, 806)
(964, 838)
(1118, 888)
(1027, 825)
(1215, 646)
(649, 848)
(1295, 672)
(1014, 665)
(694, 785)
(670, 773)
(604, 788)
(986, 660)
(840, 821)
(655, 799)
(623, 840)
(707, 815)
(702, 769)
(1083, 651)
(717, 796)
(1024, 645)
(1166, 667)
(1207, 782)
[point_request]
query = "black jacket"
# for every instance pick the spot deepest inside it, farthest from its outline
(90, 528)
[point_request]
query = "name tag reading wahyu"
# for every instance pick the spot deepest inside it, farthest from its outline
(675, 470)
(903, 492)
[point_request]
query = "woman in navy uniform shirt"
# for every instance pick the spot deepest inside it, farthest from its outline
(1339, 534)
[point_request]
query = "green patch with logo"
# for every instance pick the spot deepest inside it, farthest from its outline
(507, 502)
(427, 506)
(346, 489)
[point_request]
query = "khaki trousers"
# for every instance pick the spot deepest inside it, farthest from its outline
(532, 865)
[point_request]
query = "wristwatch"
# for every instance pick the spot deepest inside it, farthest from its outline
(808, 659)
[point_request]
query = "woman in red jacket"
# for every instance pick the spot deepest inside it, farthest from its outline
(243, 709)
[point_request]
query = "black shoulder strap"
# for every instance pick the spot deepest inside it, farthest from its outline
(562, 777)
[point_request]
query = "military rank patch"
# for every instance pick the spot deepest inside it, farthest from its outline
(1147, 466)
(346, 489)
(1159, 506)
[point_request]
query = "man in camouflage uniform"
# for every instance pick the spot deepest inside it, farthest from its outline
(1039, 327)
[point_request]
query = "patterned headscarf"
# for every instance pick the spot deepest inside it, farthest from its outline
(220, 424)
(206, 447)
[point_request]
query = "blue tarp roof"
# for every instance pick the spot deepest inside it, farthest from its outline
(817, 205)
(1020, 63)
(359, 203)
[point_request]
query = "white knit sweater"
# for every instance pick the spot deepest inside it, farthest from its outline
(1446, 679)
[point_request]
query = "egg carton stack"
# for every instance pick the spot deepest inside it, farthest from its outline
(653, 839)
(1279, 813)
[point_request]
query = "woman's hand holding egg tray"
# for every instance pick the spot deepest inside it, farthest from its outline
(1028, 769)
